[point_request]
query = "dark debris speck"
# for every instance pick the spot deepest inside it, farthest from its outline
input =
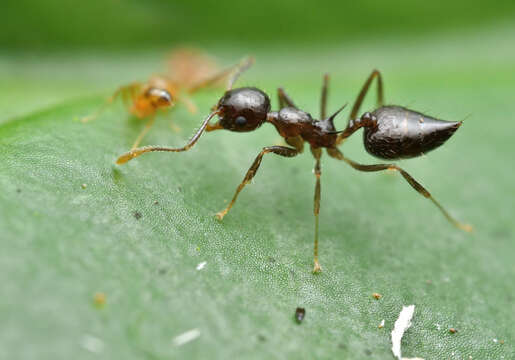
(300, 313)
(18, 191)
(156, 202)
(261, 337)
(137, 215)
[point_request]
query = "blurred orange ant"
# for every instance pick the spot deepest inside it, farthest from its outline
(189, 72)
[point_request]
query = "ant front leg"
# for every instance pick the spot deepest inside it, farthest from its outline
(127, 92)
(278, 150)
(335, 153)
(317, 153)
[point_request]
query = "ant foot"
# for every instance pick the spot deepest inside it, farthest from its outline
(220, 215)
(317, 269)
(465, 227)
(125, 157)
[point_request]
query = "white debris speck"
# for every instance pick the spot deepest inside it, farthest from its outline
(401, 325)
(438, 327)
(201, 265)
(92, 343)
(495, 340)
(186, 337)
(381, 325)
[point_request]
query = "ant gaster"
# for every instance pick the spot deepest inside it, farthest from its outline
(390, 132)
(187, 74)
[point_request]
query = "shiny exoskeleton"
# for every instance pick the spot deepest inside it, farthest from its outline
(390, 132)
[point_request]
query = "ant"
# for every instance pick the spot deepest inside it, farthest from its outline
(390, 132)
(187, 74)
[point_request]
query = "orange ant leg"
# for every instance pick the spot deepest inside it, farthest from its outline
(278, 150)
(239, 69)
(122, 159)
(148, 125)
(212, 79)
(323, 98)
(190, 105)
(127, 92)
(337, 154)
(317, 153)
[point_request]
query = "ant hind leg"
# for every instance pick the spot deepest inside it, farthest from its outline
(337, 154)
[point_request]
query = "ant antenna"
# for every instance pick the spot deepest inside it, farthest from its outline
(242, 66)
(139, 151)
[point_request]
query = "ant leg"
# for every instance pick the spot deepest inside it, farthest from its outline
(284, 99)
(215, 78)
(190, 105)
(125, 91)
(364, 90)
(316, 208)
(323, 98)
(240, 68)
(335, 153)
(122, 159)
(251, 172)
(147, 127)
(361, 97)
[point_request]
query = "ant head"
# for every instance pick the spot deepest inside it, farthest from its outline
(159, 97)
(243, 109)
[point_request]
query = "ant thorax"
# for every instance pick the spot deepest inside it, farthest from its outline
(291, 122)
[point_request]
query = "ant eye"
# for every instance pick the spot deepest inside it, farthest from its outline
(240, 121)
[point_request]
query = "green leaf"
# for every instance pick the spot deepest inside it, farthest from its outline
(69, 229)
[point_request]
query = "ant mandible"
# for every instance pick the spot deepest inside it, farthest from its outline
(390, 132)
(187, 74)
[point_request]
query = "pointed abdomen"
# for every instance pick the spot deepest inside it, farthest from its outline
(402, 133)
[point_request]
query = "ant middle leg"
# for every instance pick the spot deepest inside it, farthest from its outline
(251, 172)
(317, 153)
(337, 154)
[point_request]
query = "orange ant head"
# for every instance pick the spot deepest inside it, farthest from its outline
(159, 97)
(243, 109)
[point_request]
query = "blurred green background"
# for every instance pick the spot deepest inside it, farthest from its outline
(62, 243)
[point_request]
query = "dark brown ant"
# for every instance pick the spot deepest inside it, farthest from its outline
(390, 132)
